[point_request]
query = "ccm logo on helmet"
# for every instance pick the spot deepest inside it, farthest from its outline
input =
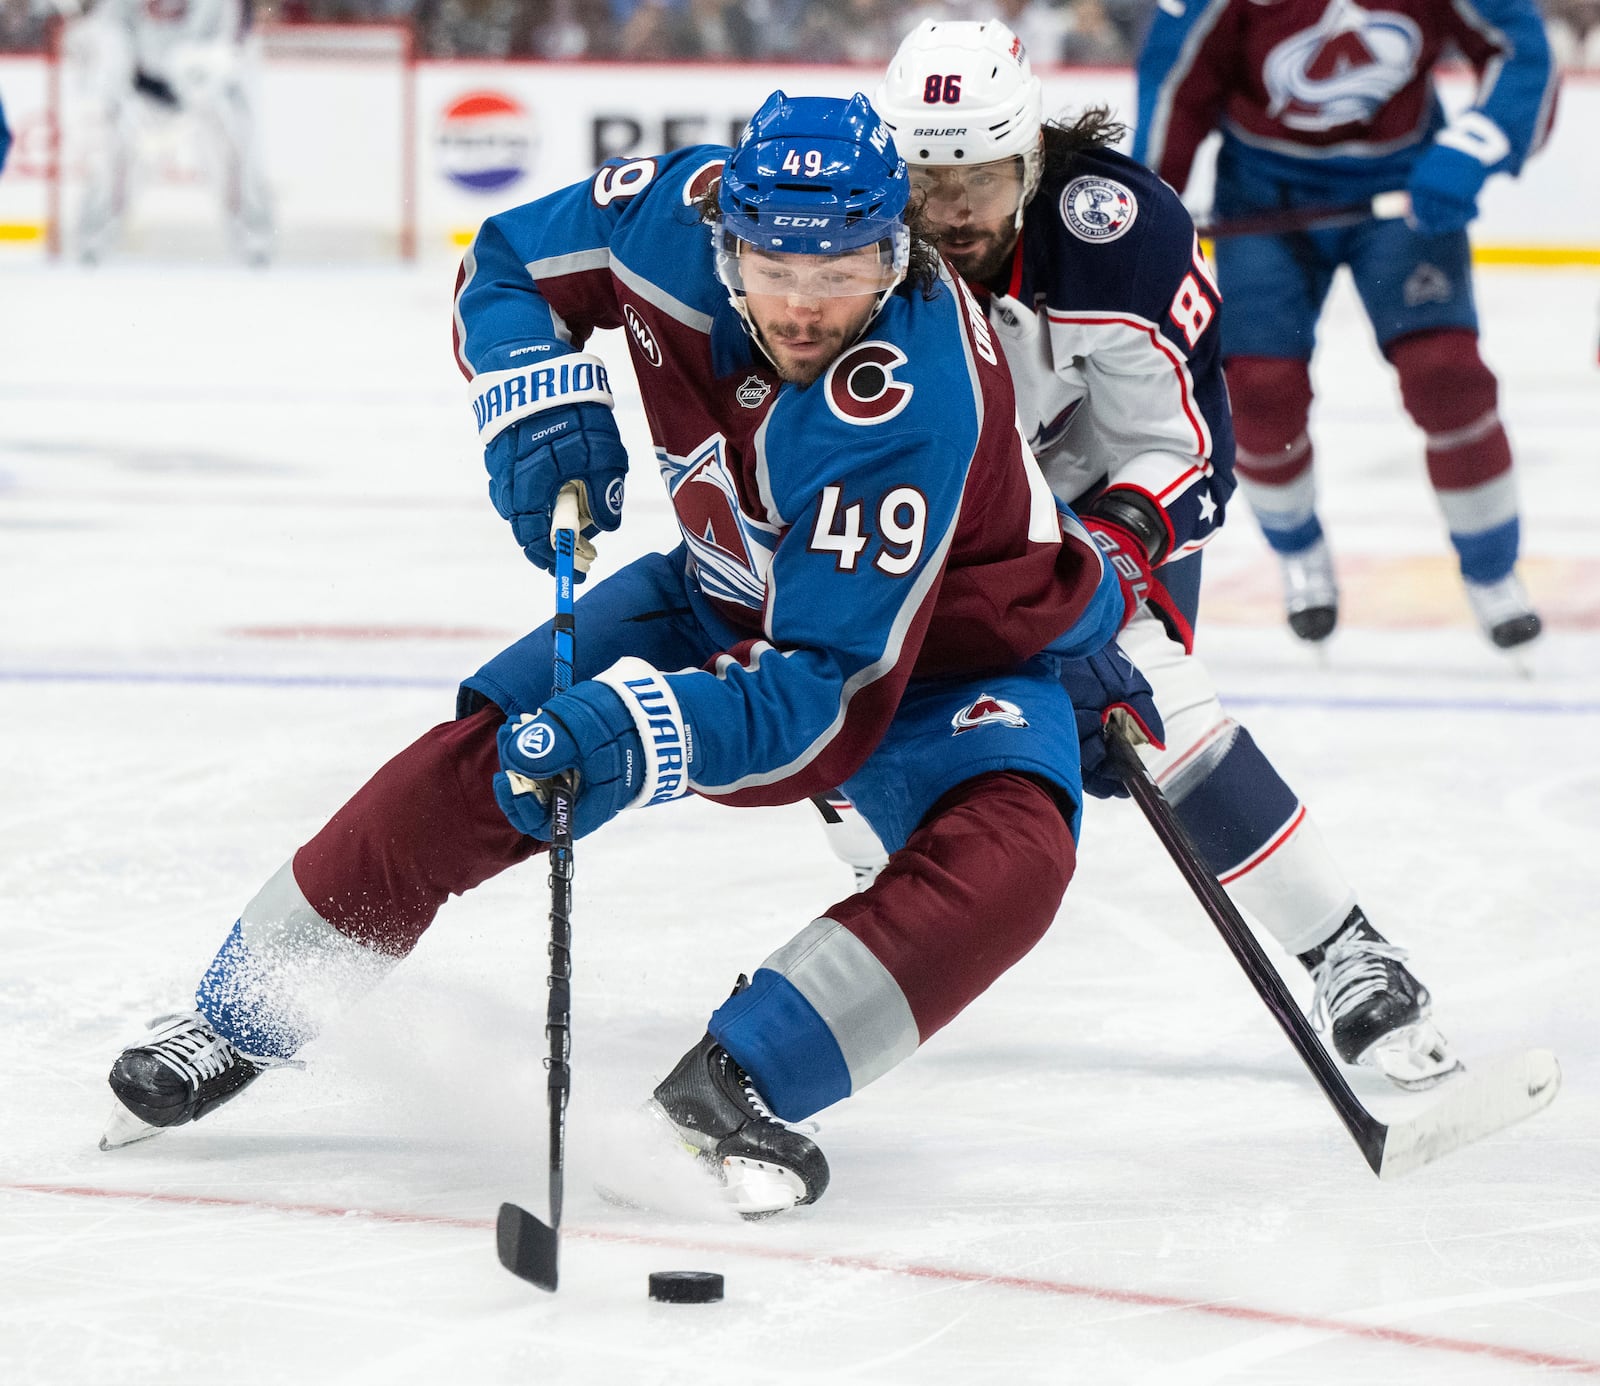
(801, 221)
(860, 386)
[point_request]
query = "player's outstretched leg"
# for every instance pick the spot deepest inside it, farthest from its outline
(1271, 405)
(1454, 398)
(712, 1104)
(1253, 832)
(326, 928)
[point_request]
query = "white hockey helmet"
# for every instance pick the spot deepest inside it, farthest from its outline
(960, 92)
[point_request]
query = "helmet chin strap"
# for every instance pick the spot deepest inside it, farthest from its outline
(742, 308)
(1032, 169)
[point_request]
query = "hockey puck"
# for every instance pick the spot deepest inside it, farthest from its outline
(685, 1287)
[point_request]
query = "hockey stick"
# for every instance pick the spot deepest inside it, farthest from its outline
(528, 1248)
(1386, 206)
(1475, 1104)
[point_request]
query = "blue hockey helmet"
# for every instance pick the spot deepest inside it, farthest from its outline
(814, 175)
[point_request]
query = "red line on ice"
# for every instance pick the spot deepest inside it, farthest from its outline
(1063, 1288)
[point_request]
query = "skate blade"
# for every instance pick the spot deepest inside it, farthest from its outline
(752, 1188)
(1414, 1058)
(759, 1190)
(126, 1129)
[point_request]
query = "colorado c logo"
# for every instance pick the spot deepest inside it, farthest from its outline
(860, 386)
(701, 182)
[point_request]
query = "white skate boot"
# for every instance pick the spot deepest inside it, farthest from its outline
(1504, 611)
(1310, 591)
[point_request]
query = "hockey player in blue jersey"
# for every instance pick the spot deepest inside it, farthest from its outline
(875, 588)
(1096, 286)
(1324, 102)
(5, 138)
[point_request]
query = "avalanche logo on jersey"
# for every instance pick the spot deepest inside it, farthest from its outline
(1097, 209)
(731, 552)
(987, 712)
(1343, 70)
(860, 386)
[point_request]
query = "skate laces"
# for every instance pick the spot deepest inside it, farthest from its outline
(758, 1104)
(190, 1047)
(1353, 970)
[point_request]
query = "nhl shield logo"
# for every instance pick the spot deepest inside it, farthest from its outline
(987, 712)
(753, 393)
(1097, 209)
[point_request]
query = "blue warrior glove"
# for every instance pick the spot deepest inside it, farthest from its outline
(1445, 182)
(546, 422)
(596, 729)
(1106, 683)
(531, 461)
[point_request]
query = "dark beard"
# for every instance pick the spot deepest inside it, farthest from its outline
(984, 260)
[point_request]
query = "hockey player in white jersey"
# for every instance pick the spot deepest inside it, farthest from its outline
(168, 60)
(1097, 287)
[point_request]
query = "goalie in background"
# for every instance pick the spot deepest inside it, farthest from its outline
(164, 60)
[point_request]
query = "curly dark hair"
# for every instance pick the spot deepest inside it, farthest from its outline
(922, 269)
(1063, 142)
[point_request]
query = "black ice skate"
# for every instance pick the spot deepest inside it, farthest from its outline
(764, 1166)
(182, 1072)
(1377, 1010)
(1310, 592)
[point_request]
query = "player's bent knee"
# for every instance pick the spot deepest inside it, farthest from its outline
(1444, 382)
(973, 890)
(1271, 399)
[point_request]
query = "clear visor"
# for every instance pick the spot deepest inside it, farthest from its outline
(870, 270)
(984, 192)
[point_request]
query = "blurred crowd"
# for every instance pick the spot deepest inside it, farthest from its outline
(860, 31)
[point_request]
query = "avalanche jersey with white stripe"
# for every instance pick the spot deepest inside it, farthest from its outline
(884, 522)
(1108, 323)
(1332, 89)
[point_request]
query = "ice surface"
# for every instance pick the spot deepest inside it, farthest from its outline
(245, 554)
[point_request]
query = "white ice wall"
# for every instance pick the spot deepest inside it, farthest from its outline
(523, 129)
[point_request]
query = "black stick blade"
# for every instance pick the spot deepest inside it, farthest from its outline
(527, 1247)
